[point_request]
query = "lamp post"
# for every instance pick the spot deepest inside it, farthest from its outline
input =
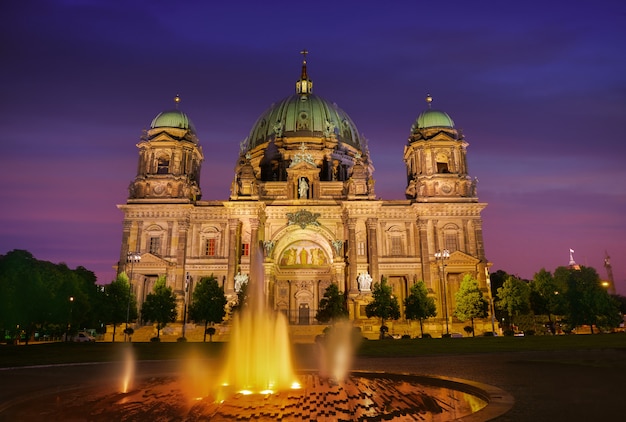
(491, 303)
(69, 320)
(185, 303)
(131, 257)
(443, 255)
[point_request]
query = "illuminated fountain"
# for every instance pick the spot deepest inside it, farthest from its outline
(257, 382)
(259, 351)
(128, 368)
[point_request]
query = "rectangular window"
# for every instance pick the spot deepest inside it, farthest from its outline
(209, 247)
(361, 248)
(451, 242)
(155, 246)
(396, 245)
(245, 249)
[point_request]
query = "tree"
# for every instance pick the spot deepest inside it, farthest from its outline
(35, 296)
(514, 297)
(470, 302)
(496, 280)
(208, 303)
(384, 305)
(23, 294)
(588, 303)
(116, 303)
(332, 306)
(418, 306)
(160, 306)
(546, 297)
(621, 300)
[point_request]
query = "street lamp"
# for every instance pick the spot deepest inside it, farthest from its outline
(443, 255)
(69, 320)
(491, 303)
(185, 303)
(131, 257)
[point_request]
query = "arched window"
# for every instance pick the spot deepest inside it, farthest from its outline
(442, 163)
(451, 237)
(396, 240)
(163, 165)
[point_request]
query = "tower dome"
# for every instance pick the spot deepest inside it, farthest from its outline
(173, 119)
(433, 118)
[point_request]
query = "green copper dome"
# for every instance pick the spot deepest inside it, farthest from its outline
(433, 118)
(304, 116)
(173, 119)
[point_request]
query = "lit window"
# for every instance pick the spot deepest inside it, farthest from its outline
(155, 245)
(209, 247)
(245, 249)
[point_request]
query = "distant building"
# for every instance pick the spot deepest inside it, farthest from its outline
(303, 193)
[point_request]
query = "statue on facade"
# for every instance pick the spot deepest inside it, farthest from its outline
(240, 280)
(338, 245)
(365, 282)
(303, 188)
(269, 247)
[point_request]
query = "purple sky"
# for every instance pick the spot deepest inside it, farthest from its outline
(538, 88)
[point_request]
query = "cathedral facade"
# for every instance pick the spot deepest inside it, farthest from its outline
(303, 214)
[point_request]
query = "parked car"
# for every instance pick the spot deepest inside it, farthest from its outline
(84, 337)
(456, 335)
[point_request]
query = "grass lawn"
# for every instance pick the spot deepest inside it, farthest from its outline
(59, 353)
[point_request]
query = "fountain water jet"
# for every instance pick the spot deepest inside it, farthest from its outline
(128, 368)
(258, 357)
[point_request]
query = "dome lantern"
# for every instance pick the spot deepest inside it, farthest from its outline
(304, 86)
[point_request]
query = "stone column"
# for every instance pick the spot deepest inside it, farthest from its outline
(423, 252)
(256, 267)
(352, 270)
(125, 246)
(372, 250)
(233, 225)
(181, 255)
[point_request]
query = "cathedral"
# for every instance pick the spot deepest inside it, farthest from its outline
(302, 209)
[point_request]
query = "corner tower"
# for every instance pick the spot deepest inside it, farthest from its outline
(169, 161)
(435, 159)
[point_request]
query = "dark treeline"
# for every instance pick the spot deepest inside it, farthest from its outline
(43, 299)
(556, 302)
(39, 297)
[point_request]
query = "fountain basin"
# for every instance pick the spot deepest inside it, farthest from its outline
(363, 396)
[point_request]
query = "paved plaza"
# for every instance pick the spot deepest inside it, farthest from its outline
(546, 386)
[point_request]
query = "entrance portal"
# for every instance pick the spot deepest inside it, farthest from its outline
(303, 314)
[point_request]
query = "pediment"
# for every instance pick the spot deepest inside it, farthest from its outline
(303, 165)
(461, 258)
(150, 260)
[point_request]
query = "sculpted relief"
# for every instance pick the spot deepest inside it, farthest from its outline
(303, 254)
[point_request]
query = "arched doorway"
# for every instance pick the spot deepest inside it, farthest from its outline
(304, 314)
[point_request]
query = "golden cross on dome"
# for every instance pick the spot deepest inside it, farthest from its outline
(304, 53)
(177, 100)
